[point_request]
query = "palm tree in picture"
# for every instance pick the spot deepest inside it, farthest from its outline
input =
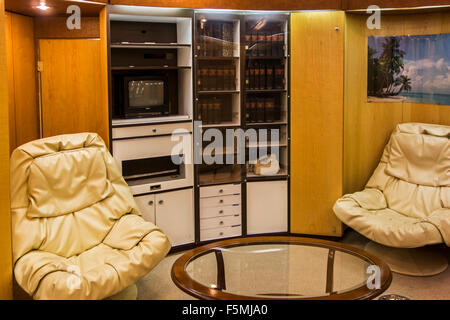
(404, 82)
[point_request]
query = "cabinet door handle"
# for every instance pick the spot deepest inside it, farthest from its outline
(221, 201)
(221, 222)
(161, 202)
(154, 130)
(221, 234)
(150, 203)
(221, 211)
(221, 191)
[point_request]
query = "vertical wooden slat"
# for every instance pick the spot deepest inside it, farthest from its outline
(5, 217)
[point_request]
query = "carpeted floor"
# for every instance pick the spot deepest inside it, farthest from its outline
(158, 284)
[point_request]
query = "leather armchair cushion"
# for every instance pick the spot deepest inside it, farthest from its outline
(387, 226)
(51, 196)
(419, 158)
(128, 231)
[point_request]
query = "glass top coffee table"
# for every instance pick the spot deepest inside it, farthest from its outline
(280, 268)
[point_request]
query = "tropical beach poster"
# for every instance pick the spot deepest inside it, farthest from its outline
(409, 68)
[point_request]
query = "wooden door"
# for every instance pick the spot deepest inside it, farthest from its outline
(73, 100)
(317, 98)
(175, 216)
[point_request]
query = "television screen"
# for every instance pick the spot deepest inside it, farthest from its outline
(145, 93)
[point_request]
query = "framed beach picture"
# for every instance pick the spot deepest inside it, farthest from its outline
(409, 68)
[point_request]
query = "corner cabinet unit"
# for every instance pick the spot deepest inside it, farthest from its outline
(241, 68)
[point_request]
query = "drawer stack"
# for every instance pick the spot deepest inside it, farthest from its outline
(220, 212)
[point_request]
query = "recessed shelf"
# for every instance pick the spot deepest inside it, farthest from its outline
(216, 58)
(118, 68)
(220, 176)
(150, 120)
(218, 92)
(221, 125)
(265, 57)
(265, 90)
(258, 124)
(149, 45)
(281, 174)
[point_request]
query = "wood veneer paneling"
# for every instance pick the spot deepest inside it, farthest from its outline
(317, 72)
(238, 4)
(72, 97)
(55, 27)
(368, 126)
(5, 217)
(363, 4)
(24, 110)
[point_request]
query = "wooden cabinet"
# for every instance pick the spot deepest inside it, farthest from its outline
(267, 208)
(317, 124)
(71, 87)
(173, 212)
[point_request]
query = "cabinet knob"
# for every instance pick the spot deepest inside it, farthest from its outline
(221, 222)
(150, 203)
(153, 130)
(221, 201)
(221, 234)
(220, 211)
(221, 191)
(161, 202)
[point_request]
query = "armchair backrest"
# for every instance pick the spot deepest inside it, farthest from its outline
(414, 171)
(66, 195)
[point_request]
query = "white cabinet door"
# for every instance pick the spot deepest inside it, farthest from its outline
(267, 207)
(147, 206)
(175, 215)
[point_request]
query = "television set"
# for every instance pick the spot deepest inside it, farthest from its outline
(146, 96)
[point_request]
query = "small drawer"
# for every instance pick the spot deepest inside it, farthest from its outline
(212, 223)
(220, 190)
(149, 130)
(220, 233)
(220, 201)
(213, 212)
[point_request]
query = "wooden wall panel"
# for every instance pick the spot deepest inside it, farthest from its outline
(369, 125)
(5, 217)
(11, 102)
(72, 99)
(238, 4)
(317, 67)
(55, 27)
(363, 4)
(24, 110)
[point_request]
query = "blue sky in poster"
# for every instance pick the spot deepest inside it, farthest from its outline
(427, 61)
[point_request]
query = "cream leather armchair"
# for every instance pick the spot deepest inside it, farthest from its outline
(77, 232)
(406, 203)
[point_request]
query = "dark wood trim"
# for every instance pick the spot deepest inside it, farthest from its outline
(330, 270)
(193, 288)
(221, 281)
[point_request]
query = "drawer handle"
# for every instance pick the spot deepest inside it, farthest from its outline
(221, 201)
(150, 203)
(221, 222)
(221, 191)
(161, 202)
(221, 234)
(221, 211)
(154, 130)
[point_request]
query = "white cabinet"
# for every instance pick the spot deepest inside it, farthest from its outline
(267, 207)
(172, 212)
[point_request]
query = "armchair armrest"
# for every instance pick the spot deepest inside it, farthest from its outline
(441, 219)
(369, 199)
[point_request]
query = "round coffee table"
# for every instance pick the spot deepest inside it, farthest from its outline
(288, 268)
